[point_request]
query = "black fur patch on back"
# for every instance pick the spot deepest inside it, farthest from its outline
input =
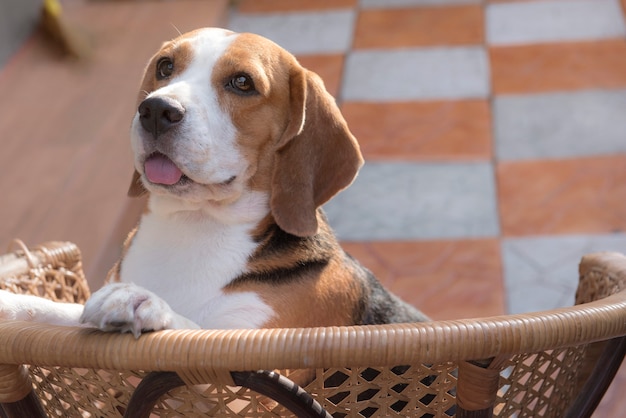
(378, 305)
(281, 257)
(283, 274)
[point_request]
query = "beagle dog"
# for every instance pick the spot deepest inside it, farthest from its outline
(238, 147)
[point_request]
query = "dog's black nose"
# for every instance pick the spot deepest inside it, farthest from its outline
(158, 114)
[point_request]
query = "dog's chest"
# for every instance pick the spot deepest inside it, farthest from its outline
(187, 263)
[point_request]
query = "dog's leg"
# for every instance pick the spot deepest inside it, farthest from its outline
(37, 309)
(125, 307)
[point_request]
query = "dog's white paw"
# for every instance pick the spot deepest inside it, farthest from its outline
(125, 307)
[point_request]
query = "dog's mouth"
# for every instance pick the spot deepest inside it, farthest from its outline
(159, 169)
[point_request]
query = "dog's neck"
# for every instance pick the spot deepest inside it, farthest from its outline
(249, 208)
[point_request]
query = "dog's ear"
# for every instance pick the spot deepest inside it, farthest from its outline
(316, 158)
(136, 188)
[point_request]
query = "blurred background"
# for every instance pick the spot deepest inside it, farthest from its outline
(494, 134)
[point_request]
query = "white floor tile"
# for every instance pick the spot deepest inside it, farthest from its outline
(417, 201)
(552, 21)
(301, 33)
(542, 272)
(416, 74)
(560, 125)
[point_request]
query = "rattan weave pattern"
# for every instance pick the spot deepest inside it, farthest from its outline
(534, 384)
(53, 271)
(344, 392)
(70, 392)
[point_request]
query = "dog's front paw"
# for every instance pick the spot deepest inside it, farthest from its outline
(125, 307)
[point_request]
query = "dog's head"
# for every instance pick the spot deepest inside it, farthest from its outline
(221, 115)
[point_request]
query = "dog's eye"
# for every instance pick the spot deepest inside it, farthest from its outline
(164, 68)
(241, 84)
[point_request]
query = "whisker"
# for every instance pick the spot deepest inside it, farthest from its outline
(176, 29)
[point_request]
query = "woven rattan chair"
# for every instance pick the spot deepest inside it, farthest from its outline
(554, 363)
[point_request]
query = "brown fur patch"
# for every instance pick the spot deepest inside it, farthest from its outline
(291, 132)
(179, 51)
(316, 164)
(326, 299)
(260, 119)
(299, 275)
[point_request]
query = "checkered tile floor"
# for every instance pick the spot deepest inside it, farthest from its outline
(494, 136)
(495, 142)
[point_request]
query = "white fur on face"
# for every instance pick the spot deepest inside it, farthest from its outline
(203, 145)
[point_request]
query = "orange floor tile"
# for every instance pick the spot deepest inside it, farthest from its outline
(560, 197)
(328, 67)
(446, 130)
(446, 279)
(561, 66)
(452, 25)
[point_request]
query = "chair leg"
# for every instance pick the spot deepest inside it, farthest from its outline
(29, 406)
(283, 391)
(270, 384)
(600, 379)
(482, 413)
(148, 392)
(17, 397)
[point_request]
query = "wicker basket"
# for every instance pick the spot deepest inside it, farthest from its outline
(532, 365)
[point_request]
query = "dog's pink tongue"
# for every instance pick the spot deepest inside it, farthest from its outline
(161, 170)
